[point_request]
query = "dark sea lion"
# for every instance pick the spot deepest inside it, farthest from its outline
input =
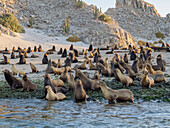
(33, 68)
(135, 66)
(76, 53)
(22, 59)
(90, 47)
(133, 55)
(61, 51)
(49, 69)
(5, 61)
(125, 58)
(64, 76)
(79, 92)
(114, 96)
(160, 62)
(11, 80)
(34, 56)
(45, 59)
(13, 55)
(35, 49)
(6, 51)
(71, 47)
(68, 62)
(29, 50)
(64, 54)
(147, 81)
(27, 84)
(52, 50)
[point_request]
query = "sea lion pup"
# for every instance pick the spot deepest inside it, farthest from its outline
(33, 68)
(160, 62)
(71, 47)
(15, 70)
(147, 81)
(114, 96)
(22, 59)
(13, 55)
(64, 76)
(5, 61)
(135, 66)
(107, 72)
(49, 69)
(56, 83)
(96, 76)
(79, 92)
(90, 47)
(111, 52)
(27, 85)
(67, 62)
(45, 59)
(34, 56)
(35, 49)
(92, 66)
(82, 66)
(88, 84)
(151, 71)
(125, 58)
(125, 80)
(13, 82)
(52, 50)
(64, 54)
(54, 96)
(133, 55)
(71, 83)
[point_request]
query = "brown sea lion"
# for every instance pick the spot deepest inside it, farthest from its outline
(25, 55)
(147, 81)
(125, 80)
(13, 55)
(135, 66)
(34, 56)
(59, 64)
(57, 71)
(22, 59)
(15, 71)
(60, 52)
(33, 68)
(52, 50)
(71, 83)
(54, 64)
(107, 72)
(5, 61)
(45, 59)
(49, 69)
(151, 71)
(131, 73)
(160, 62)
(82, 66)
(28, 85)
(40, 49)
(114, 96)
(64, 76)
(64, 54)
(96, 76)
(11, 80)
(68, 62)
(79, 92)
(158, 78)
(56, 83)
(92, 66)
(54, 96)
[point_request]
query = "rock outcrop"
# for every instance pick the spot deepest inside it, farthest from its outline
(49, 15)
(139, 18)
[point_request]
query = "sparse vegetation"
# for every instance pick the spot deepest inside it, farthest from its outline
(141, 43)
(105, 18)
(66, 26)
(159, 35)
(79, 4)
(96, 12)
(73, 39)
(11, 22)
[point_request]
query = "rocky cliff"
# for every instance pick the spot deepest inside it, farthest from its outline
(48, 15)
(139, 18)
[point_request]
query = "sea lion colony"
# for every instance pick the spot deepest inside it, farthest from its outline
(118, 68)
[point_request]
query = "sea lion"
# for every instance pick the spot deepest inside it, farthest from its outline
(49, 69)
(5, 61)
(34, 56)
(82, 66)
(125, 80)
(158, 78)
(60, 52)
(56, 83)
(114, 96)
(54, 64)
(76, 53)
(133, 55)
(27, 85)
(92, 66)
(88, 83)
(25, 55)
(91, 55)
(49, 52)
(71, 47)
(79, 92)
(15, 71)
(147, 81)
(45, 59)
(64, 54)
(68, 62)
(82, 52)
(106, 63)
(52, 50)
(29, 50)
(107, 72)
(64, 76)
(22, 59)
(90, 47)
(54, 96)
(131, 73)
(35, 49)
(114, 71)
(6, 51)
(71, 83)
(151, 71)
(160, 62)
(135, 66)
(11, 80)
(40, 49)
(59, 64)
(117, 57)
(33, 68)
(96, 76)
(13, 55)
(57, 71)
(111, 52)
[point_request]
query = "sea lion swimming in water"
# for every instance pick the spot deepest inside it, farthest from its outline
(79, 92)
(114, 96)
(11, 80)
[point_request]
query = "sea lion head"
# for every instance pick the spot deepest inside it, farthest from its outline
(47, 87)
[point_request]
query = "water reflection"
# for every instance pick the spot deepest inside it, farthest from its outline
(40, 113)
